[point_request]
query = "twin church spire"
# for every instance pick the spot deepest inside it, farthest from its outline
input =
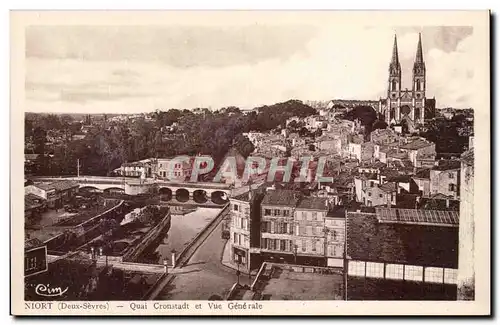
(418, 83)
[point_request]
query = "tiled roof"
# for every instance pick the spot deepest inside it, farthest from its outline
(424, 173)
(32, 201)
(313, 203)
(58, 186)
(417, 144)
(447, 164)
(369, 240)
(389, 187)
(393, 153)
(281, 197)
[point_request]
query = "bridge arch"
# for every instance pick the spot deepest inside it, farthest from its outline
(165, 193)
(219, 197)
(200, 196)
(182, 195)
(89, 189)
(114, 190)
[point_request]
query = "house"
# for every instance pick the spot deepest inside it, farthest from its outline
(55, 194)
(402, 254)
(445, 178)
(277, 225)
(245, 229)
(335, 237)
(328, 143)
(174, 168)
(362, 182)
(381, 195)
(384, 136)
(418, 150)
(423, 181)
(143, 168)
(309, 224)
(360, 150)
(33, 207)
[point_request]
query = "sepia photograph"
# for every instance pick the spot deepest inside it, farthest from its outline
(218, 162)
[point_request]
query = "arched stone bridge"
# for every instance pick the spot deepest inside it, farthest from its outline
(169, 190)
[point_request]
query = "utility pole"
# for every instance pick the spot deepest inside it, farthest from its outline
(78, 168)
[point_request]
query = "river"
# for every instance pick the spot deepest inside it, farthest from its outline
(183, 229)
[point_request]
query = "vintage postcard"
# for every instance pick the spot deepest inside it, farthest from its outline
(250, 163)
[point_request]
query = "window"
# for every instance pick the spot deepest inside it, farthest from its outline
(177, 165)
(247, 210)
(308, 216)
(314, 244)
(394, 271)
(286, 213)
(313, 215)
(309, 230)
(413, 273)
(304, 215)
(303, 245)
(235, 237)
(319, 216)
(369, 203)
(418, 85)
(372, 183)
(299, 216)
(334, 235)
(319, 231)
(235, 208)
(277, 212)
(451, 187)
(393, 85)
(450, 276)
(433, 274)
(356, 268)
(242, 224)
(283, 245)
(267, 212)
(374, 270)
(450, 175)
(380, 195)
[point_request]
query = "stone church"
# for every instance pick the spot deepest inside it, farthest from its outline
(407, 106)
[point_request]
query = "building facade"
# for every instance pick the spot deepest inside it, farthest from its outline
(309, 222)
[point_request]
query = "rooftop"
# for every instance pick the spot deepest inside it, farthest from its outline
(447, 164)
(424, 173)
(389, 187)
(58, 186)
(281, 197)
(32, 201)
(313, 203)
(443, 218)
(417, 144)
(370, 240)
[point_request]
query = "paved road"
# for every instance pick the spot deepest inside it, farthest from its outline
(204, 274)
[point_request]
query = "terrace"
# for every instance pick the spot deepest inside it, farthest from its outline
(295, 282)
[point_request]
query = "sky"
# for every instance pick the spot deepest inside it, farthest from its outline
(128, 69)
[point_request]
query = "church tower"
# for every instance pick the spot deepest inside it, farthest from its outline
(394, 72)
(419, 72)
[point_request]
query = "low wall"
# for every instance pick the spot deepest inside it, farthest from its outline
(134, 252)
(136, 189)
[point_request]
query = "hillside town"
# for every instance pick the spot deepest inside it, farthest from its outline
(377, 211)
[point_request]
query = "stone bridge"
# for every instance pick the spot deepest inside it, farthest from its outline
(199, 192)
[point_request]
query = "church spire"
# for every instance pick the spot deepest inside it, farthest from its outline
(419, 58)
(395, 57)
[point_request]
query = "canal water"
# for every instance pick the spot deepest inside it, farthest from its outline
(184, 227)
